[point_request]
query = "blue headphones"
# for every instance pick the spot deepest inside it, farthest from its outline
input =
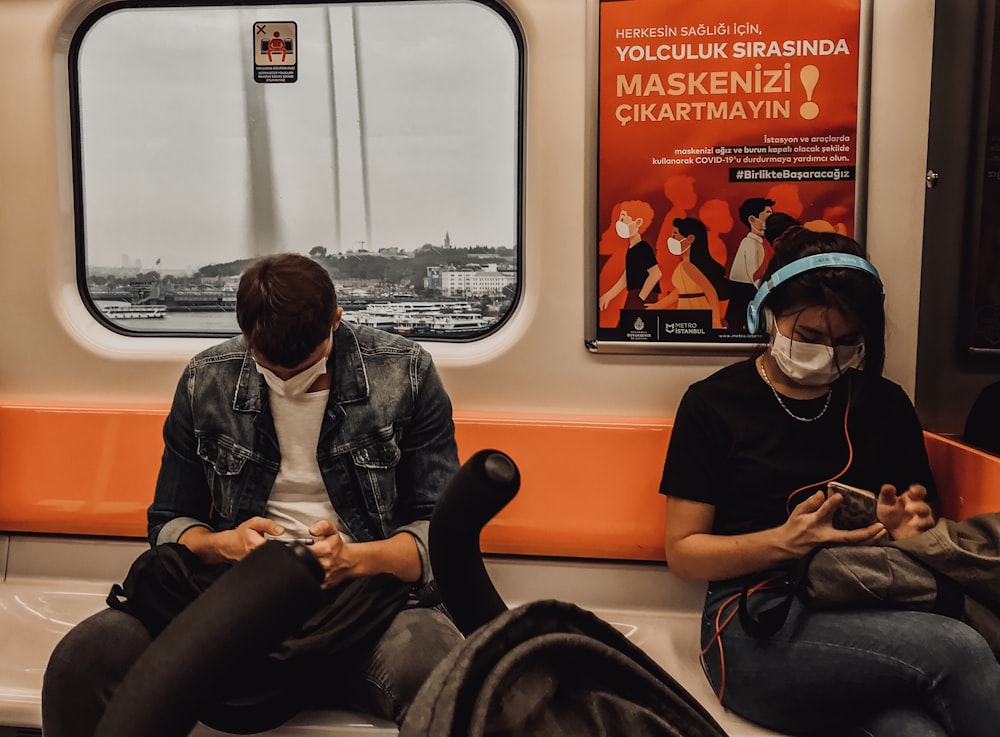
(817, 261)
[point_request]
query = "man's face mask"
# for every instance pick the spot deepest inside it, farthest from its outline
(622, 229)
(812, 364)
(298, 384)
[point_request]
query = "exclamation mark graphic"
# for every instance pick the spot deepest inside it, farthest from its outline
(809, 76)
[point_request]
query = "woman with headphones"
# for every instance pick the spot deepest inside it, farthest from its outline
(752, 451)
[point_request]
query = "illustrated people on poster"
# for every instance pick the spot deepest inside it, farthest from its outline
(777, 223)
(822, 225)
(641, 276)
(750, 258)
(680, 193)
(698, 278)
(786, 199)
(719, 221)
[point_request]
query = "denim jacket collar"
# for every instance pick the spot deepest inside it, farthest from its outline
(349, 381)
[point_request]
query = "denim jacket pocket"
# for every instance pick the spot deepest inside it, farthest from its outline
(224, 461)
(376, 467)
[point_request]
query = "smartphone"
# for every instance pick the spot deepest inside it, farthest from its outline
(859, 507)
(289, 539)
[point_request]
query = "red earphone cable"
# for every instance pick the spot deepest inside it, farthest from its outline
(721, 625)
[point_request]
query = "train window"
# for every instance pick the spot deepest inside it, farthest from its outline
(383, 139)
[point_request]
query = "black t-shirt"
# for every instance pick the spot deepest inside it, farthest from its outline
(639, 259)
(734, 447)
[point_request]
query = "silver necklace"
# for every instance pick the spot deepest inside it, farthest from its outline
(826, 404)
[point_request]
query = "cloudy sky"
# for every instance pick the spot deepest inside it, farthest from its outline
(166, 95)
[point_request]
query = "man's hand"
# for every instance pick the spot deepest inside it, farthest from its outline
(333, 553)
(906, 514)
(229, 545)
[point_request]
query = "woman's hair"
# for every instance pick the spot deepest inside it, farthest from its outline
(701, 257)
(855, 294)
(285, 306)
(776, 225)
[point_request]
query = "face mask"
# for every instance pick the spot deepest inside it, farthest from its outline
(814, 364)
(676, 247)
(622, 229)
(298, 384)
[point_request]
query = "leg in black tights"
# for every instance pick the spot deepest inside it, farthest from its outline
(84, 670)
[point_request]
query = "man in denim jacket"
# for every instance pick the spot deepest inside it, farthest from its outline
(305, 427)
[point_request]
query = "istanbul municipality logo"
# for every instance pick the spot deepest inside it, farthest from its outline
(639, 330)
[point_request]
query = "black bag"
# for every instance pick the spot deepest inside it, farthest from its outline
(551, 668)
(161, 582)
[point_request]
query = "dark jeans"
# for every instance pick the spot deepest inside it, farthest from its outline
(882, 673)
(93, 658)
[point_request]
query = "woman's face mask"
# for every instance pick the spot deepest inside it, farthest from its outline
(677, 247)
(812, 364)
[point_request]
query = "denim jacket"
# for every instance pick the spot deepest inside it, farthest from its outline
(386, 446)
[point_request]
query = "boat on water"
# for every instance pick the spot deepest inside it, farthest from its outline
(422, 318)
(118, 310)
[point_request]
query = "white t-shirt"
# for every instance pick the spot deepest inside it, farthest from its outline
(299, 498)
(749, 257)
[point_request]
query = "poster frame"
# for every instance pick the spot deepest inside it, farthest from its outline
(591, 214)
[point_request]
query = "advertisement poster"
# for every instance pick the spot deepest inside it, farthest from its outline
(716, 119)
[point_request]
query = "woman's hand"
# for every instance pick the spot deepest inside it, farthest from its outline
(811, 525)
(907, 514)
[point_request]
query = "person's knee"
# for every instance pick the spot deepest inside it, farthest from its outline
(85, 667)
(961, 645)
(416, 641)
(421, 639)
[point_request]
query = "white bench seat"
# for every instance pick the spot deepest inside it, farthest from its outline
(51, 583)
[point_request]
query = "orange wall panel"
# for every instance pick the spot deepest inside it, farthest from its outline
(589, 485)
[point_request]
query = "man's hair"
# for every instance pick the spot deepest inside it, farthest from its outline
(754, 206)
(285, 306)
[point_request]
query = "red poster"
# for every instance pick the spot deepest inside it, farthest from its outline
(720, 123)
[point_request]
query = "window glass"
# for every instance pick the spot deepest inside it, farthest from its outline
(382, 139)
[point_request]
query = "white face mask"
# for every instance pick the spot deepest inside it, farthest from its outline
(622, 229)
(676, 247)
(814, 364)
(298, 384)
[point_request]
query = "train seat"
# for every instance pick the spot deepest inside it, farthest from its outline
(586, 527)
(52, 582)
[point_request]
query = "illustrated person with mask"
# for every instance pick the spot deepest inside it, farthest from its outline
(698, 278)
(305, 426)
(752, 449)
(751, 254)
(641, 277)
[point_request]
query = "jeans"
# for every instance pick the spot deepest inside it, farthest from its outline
(877, 673)
(93, 658)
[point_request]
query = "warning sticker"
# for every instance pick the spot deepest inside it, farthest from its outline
(274, 52)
